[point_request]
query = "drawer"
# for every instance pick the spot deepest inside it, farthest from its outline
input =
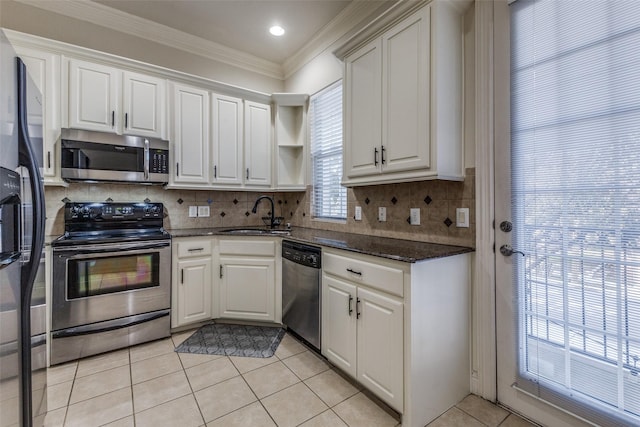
(259, 247)
(193, 248)
(366, 273)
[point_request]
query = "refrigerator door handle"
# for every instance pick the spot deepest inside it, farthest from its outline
(27, 159)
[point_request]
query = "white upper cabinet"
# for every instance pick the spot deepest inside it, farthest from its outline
(257, 141)
(403, 99)
(93, 96)
(144, 101)
(106, 99)
(44, 69)
(227, 139)
(190, 141)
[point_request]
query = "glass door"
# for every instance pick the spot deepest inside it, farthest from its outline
(568, 210)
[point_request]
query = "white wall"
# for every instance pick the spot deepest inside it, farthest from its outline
(319, 73)
(32, 20)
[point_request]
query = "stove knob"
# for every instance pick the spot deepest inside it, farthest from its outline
(155, 209)
(85, 210)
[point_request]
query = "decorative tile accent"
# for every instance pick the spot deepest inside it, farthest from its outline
(291, 213)
(448, 222)
(428, 200)
(394, 200)
(65, 200)
(222, 214)
(279, 202)
(109, 200)
(209, 201)
(147, 200)
(367, 201)
(180, 201)
(285, 202)
(235, 201)
(408, 220)
(304, 214)
(297, 202)
(247, 213)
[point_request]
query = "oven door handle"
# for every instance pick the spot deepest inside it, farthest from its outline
(117, 248)
(110, 325)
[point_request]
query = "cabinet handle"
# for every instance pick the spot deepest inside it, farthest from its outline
(247, 173)
(113, 118)
(126, 120)
(215, 171)
(382, 154)
(48, 159)
(221, 271)
(182, 275)
(177, 169)
(358, 308)
(359, 273)
(195, 249)
(375, 156)
(350, 309)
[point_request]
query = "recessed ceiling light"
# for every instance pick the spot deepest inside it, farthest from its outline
(276, 30)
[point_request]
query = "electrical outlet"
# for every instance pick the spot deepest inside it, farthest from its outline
(382, 214)
(358, 213)
(415, 216)
(193, 211)
(203, 211)
(462, 217)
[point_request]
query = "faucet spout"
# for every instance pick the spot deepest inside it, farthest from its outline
(273, 215)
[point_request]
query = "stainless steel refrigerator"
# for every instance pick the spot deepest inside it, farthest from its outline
(22, 220)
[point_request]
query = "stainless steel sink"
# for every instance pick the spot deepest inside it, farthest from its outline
(254, 231)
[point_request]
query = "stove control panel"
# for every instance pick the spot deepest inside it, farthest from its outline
(111, 212)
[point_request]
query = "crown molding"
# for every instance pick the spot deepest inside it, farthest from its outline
(342, 24)
(123, 22)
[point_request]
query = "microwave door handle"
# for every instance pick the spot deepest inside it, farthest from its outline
(146, 159)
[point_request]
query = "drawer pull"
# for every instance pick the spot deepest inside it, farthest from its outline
(195, 249)
(358, 308)
(350, 309)
(221, 271)
(359, 273)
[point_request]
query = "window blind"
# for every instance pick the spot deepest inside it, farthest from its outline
(329, 198)
(575, 129)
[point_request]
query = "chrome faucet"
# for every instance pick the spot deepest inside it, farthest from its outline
(273, 215)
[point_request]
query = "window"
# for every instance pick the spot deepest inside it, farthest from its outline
(575, 129)
(329, 199)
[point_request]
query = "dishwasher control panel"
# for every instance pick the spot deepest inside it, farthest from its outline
(299, 253)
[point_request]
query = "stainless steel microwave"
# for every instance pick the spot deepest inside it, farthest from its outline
(100, 156)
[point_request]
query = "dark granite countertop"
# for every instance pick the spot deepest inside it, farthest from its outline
(395, 249)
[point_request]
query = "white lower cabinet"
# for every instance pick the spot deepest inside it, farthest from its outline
(249, 278)
(362, 331)
(400, 329)
(192, 281)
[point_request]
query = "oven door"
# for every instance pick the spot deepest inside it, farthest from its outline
(97, 282)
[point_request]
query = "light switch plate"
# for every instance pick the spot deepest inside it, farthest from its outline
(203, 211)
(415, 216)
(382, 214)
(462, 217)
(193, 211)
(358, 213)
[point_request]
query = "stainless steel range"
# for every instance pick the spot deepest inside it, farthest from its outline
(111, 279)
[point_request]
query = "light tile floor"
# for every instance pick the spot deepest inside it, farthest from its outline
(151, 385)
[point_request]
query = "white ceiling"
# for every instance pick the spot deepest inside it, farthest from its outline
(240, 24)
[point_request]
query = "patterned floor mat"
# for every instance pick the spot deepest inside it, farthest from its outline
(233, 340)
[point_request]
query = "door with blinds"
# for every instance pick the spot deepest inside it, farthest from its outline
(567, 93)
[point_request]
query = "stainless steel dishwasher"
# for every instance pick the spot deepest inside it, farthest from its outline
(301, 292)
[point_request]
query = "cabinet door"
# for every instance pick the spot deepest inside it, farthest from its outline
(380, 346)
(194, 290)
(144, 105)
(363, 103)
(405, 94)
(227, 131)
(191, 134)
(339, 323)
(44, 70)
(93, 96)
(247, 288)
(257, 144)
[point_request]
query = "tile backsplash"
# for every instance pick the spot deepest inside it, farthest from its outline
(437, 201)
